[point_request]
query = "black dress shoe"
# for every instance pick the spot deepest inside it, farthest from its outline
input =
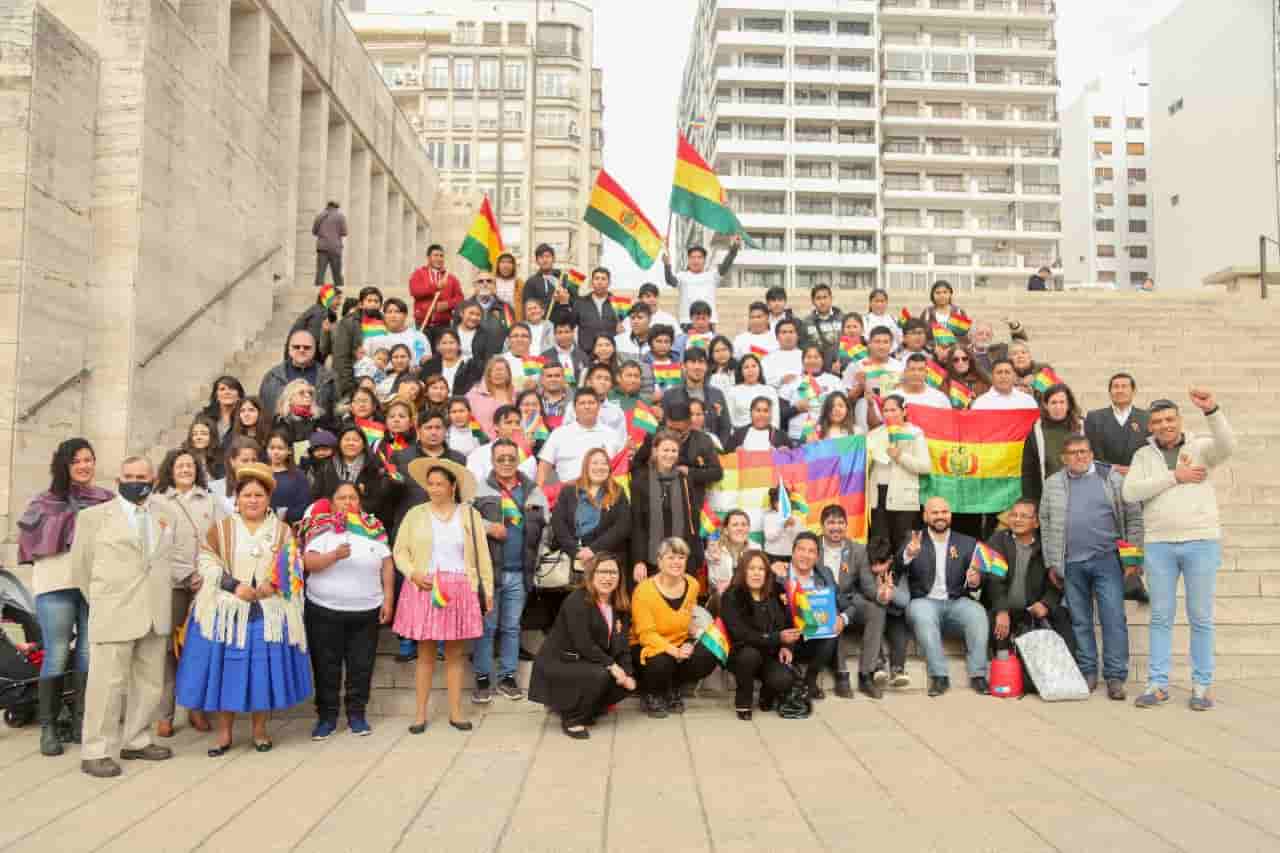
(744, 714)
(843, 687)
(766, 703)
(219, 750)
(464, 726)
(937, 686)
(417, 728)
(979, 685)
(867, 684)
(525, 654)
(575, 730)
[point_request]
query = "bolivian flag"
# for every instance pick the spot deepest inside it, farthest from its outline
(976, 455)
(696, 193)
(612, 212)
(484, 241)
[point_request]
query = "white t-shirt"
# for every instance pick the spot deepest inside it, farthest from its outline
(480, 463)
(450, 372)
(756, 439)
(419, 346)
(744, 341)
(886, 384)
(466, 337)
(628, 348)
(695, 287)
(939, 589)
(542, 336)
(461, 440)
(780, 363)
(1015, 399)
(611, 416)
(353, 584)
(739, 398)
(568, 443)
(871, 321)
(928, 396)
(657, 318)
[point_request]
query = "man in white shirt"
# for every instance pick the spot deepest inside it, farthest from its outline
(698, 281)
(915, 391)
(648, 295)
(758, 338)
(787, 362)
(396, 314)
(506, 424)
(600, 380)
(563, 452)
(776, 300)
(878, 371)
(541, 333)
(1004, 393)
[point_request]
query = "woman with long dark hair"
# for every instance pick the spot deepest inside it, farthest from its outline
(661, 508)
(1060, 416)
(227, 392)
(963, 369)
(761, 633)
(722, 367)
(292, 494)
(202, 442)
(45, 533)
(251, 420)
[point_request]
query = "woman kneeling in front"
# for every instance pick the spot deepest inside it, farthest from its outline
(585, 665)
(761, 634)
(442, 552)
(661, 610)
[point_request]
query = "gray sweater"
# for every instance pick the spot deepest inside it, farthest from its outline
(1053, 513)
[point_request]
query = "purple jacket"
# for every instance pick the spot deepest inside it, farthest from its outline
(48, 525)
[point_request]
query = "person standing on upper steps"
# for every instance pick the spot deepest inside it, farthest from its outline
(698, 282)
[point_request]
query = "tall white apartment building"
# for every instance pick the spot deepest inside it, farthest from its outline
(506, 102)
(1108, 191)
(885, 143)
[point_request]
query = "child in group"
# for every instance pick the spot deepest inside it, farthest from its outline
(460, 437)
(776, 300)
(700, 332)
(878, 315)
(372, 366)
(779, 534)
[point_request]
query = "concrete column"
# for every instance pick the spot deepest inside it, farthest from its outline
(250, 48)
(391, 274)
(409, 226)
(209, 23)
(285, 102)
(338, 171)
(313, 148)
(421, 241)
(356, 257)
(377, 227)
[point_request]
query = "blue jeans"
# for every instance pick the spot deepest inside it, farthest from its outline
(1197, 561)
(503, 620)
(62, 614)
(930, 619)
(1101, 576)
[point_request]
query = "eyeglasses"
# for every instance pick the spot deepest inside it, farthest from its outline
(959, 359)
(1079, 451)
(484, 281)
(504, 460)
(301, 347)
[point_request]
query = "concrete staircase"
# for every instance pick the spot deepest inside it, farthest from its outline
(1167, 340)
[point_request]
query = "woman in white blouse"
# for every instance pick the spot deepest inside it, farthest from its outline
(750, 385)
(807, 392)
(899, 456)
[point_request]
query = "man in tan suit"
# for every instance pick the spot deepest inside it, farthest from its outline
(121, 557)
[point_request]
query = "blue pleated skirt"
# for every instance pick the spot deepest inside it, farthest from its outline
(223, 677)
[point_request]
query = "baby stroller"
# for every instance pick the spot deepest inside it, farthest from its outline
(19, 660)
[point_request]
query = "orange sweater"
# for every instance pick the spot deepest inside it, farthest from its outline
(655, 627)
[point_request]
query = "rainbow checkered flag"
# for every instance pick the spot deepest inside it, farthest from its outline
(708, 522)
(934, 375)
(1130, 554)
(1045, 379)
(989, 561)
(904, 317)
(666, 374)
(716, 638)
(438, 599)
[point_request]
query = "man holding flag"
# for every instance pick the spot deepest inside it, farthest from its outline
(698, 283)
(941, 576)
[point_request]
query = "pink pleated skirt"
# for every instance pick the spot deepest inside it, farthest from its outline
(418, 619)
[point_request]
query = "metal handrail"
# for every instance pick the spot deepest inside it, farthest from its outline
(82, 373)
(215, 299)
(1263, 239)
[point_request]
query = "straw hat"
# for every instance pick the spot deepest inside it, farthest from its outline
(258, 472)
(422, 466)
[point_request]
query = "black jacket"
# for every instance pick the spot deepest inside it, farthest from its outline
(610, 535)
(717, 408)
(1035, 282)
(591, 321)
(312, 320)
(534, 508)
(581, 361)
(1113, 443)
(467, 375)
(921, 570)
(777, 438)
(577, 651)
(752, 623)
(300, 429)
(536, 287)
(703, 461)
(641, 521)
(376, 492)
(1039, 588)
(486, 344)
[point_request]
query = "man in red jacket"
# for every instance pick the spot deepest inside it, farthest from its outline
(433, 284)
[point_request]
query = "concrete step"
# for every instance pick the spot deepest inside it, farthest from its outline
(1229, 610)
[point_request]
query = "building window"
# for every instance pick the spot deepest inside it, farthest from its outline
(768, 242)
(554, 84)
(853, 28)
(1137, 176)
(487, 156)
(810, 169)
(762, 96)
(761, 168)
(854, 99)
(1102, 173)
(1102, 122)
(1137, 251)
(1139, 276)
(597, 138)
(435, 153)
(512, 118)
(1104, 225)
(493, 33)
(812, 27)
(463, 73)
(517, 34)
(461, 155)
(851, 244)
(761, 25)
(805, 96)
(813, 62)
(1106, 250)
(487, 114)
(553, 123)
(762, 278)
(488, 73)
(762, 60)
(1136, 149)
(438, 73)
(813, 242)
(1137, 226)
(812, 278)
(512, 196)
(463, 114)
(1102, 149)
(466, 33)
(1104, 199)
(513, 76)
(813, 205)
(1107, 276)
(1135, 123)
(769, 132)
(1137, 200)
(437, 113)
(513, 154)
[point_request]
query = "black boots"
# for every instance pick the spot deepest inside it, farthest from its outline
(867, 684)
(844, 689)
(49, 706)
(79, 681)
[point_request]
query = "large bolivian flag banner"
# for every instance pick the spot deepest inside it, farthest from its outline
(976, 456)
(696, 193)
(613, 213)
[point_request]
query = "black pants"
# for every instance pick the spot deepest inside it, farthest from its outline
(662, 673)
(897, 632)
(816, 654)
(871, 619)
(597, 691)
(333, 260)
(747, 663)
(894, 525)
(340, 638)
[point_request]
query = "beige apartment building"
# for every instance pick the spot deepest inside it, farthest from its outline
(506, 103)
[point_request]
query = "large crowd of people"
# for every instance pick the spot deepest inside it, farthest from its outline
(453, 470)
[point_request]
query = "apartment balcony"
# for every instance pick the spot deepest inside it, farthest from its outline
(560, 214)
(739, 146)
(978, 10)
(557, 174)
(981, 118)
(963, 152)
(832, 112)
(969, 188)
(727, 73)
(865, 7)
(975, 261)
(828, 221)
(730, 38)
(971, 223)
(992, 81)
(826, 148)
(835, 260)
(763, 220)
(756, 183)
(731, 108)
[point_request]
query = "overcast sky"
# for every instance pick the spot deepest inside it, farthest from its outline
(642, 49)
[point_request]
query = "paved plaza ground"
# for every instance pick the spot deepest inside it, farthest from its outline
(958, 773)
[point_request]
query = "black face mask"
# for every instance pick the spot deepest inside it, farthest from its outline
(135, 493)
